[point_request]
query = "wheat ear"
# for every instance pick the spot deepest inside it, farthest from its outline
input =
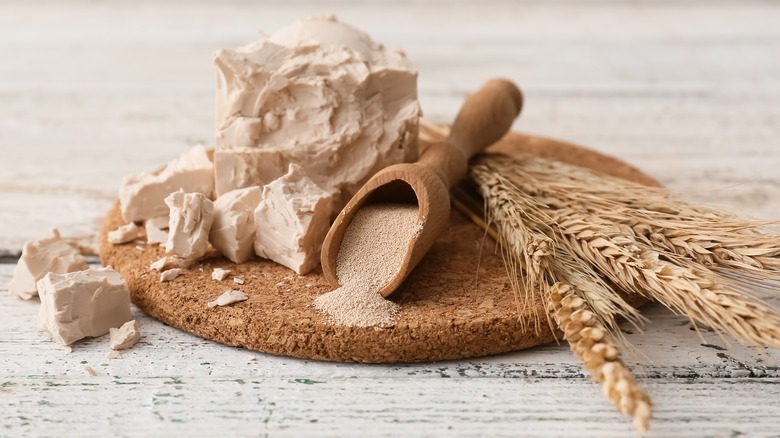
(529, 244)
(593, 334)
(599, 353)
(693, 291)
(682, 284)
(526, 252)
(707, 235)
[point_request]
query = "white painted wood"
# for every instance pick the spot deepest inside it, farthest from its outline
(687, 90)
(257, 405)
(90, 91)
(172, 382)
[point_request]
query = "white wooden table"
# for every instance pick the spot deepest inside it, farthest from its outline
(90, 91)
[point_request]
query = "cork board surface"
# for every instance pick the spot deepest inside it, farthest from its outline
(458, 303)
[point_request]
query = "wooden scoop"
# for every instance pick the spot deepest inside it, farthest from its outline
(484, 118)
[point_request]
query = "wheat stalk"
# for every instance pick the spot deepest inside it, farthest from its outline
(526, 252)
(706, 235)
(696, 260)
(688, 289)
(586, 314)
(653, 200)
(682, 285)
(600, 355)
(530, 252)
(635, 264)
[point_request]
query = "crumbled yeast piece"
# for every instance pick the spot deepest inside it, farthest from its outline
(156, 230)
(292, 220)
(50, 254)
(238, 280)
(170, 275)
(167, 261)
(83, 304)
(219, 274)
(229, 297)
(88, 370)
(125, 233)
(191, 215)
(159, 265)
(142, 196)
(125, 336)
(233, 230)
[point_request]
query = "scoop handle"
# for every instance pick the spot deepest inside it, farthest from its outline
(483, 119)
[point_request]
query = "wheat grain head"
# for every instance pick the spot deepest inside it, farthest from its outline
(600, 355)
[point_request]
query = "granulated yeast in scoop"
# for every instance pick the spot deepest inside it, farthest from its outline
(371, 254)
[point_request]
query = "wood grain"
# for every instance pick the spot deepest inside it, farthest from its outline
(172, 382)
(689, 91)
(695, 106)
(255, 405)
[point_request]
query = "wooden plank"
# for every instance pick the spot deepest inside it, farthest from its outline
(696, 106)
(260, 405)
(93, 91)
(172, 382)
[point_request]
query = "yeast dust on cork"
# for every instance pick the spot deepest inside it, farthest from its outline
(371, 254)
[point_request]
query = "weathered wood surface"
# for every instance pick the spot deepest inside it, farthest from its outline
(89, 91)
(688, 91)
(172, 382)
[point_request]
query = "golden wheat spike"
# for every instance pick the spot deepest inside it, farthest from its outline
(600, 354)
(583, 226)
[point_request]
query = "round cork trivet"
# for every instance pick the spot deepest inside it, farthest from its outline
(458, 302)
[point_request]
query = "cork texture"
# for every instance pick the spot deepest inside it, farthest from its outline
(458, 303)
